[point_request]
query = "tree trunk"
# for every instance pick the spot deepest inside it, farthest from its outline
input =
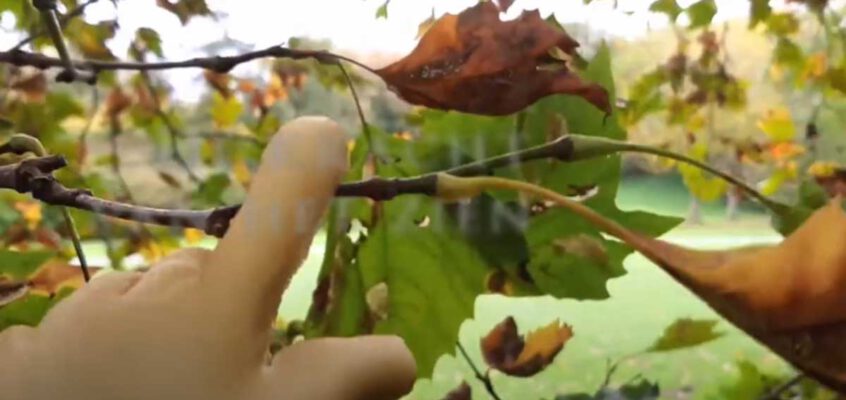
(694, 213)
(732, 204)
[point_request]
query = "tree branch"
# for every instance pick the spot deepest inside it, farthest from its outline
(63, 20)
(220, 64)
(34, 176)
(174, 132)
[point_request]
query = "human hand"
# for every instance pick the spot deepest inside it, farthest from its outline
(197, 324)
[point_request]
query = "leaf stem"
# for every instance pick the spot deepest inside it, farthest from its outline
(77, 243)
(591, 146)
(484, 378)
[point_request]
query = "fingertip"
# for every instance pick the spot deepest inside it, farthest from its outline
(309, 141)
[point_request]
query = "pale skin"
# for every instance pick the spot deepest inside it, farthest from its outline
(197, 325)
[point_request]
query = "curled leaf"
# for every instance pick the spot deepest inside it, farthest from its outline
(505, 350)
(474, 62)
(11, 291)
(790, 297)
(55, 275)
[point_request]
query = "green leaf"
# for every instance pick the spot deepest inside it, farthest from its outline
(759, 11)
(186, 9)
(750, 383)
(685, 333)
(19, 265)
(382, 11)
(150, 39)
(639, 389)
(210, 193)
(90, 39)
(433, 279)
(788, 53)
(30, 309)
(565, 274)
(701, 13)
(782, 24)
(669, 7)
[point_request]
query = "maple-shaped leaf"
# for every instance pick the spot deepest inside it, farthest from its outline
(505, 350)
(476, 63)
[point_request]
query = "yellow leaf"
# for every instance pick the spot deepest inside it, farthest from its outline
(225, 111)
(30, 211)
(545, 342)
(153, 251)
(816, 66)
(777, 123)
(823, 169)
(193, 236)
(242, 172)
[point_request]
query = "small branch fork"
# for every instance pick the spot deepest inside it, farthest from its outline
(34, 176)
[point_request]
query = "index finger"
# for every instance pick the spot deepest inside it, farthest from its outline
(269, 237)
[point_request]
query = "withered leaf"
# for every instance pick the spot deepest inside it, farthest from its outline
(474, 62)
(11, 291)
(462, 392)
(505, 350)
(55, 275)
(791, 297)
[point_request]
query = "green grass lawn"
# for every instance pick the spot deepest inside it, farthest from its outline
(643, 303)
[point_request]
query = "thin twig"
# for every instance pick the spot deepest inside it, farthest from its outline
(77, 243)
(776, 393)
(174, 132)
(47, 9)
(365, 127)
(63, 20)
(484, 378)
(220, 64)
(227, 136)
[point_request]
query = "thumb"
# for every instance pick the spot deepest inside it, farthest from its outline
(360, 368)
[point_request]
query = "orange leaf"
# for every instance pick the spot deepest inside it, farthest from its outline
(508, 352)
(474, 62)
(57, 274)
(790, 297)
(30, 211)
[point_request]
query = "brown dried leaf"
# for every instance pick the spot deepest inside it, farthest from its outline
(504, 5)
(11, 291)
(170, 180)
(505, 350)
(33, 86)
(57, 274)
(117, 102)
(462, 392)
(476, 63)
(790, 297)
(219, 82)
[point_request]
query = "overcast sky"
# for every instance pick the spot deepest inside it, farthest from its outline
(351, 24)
